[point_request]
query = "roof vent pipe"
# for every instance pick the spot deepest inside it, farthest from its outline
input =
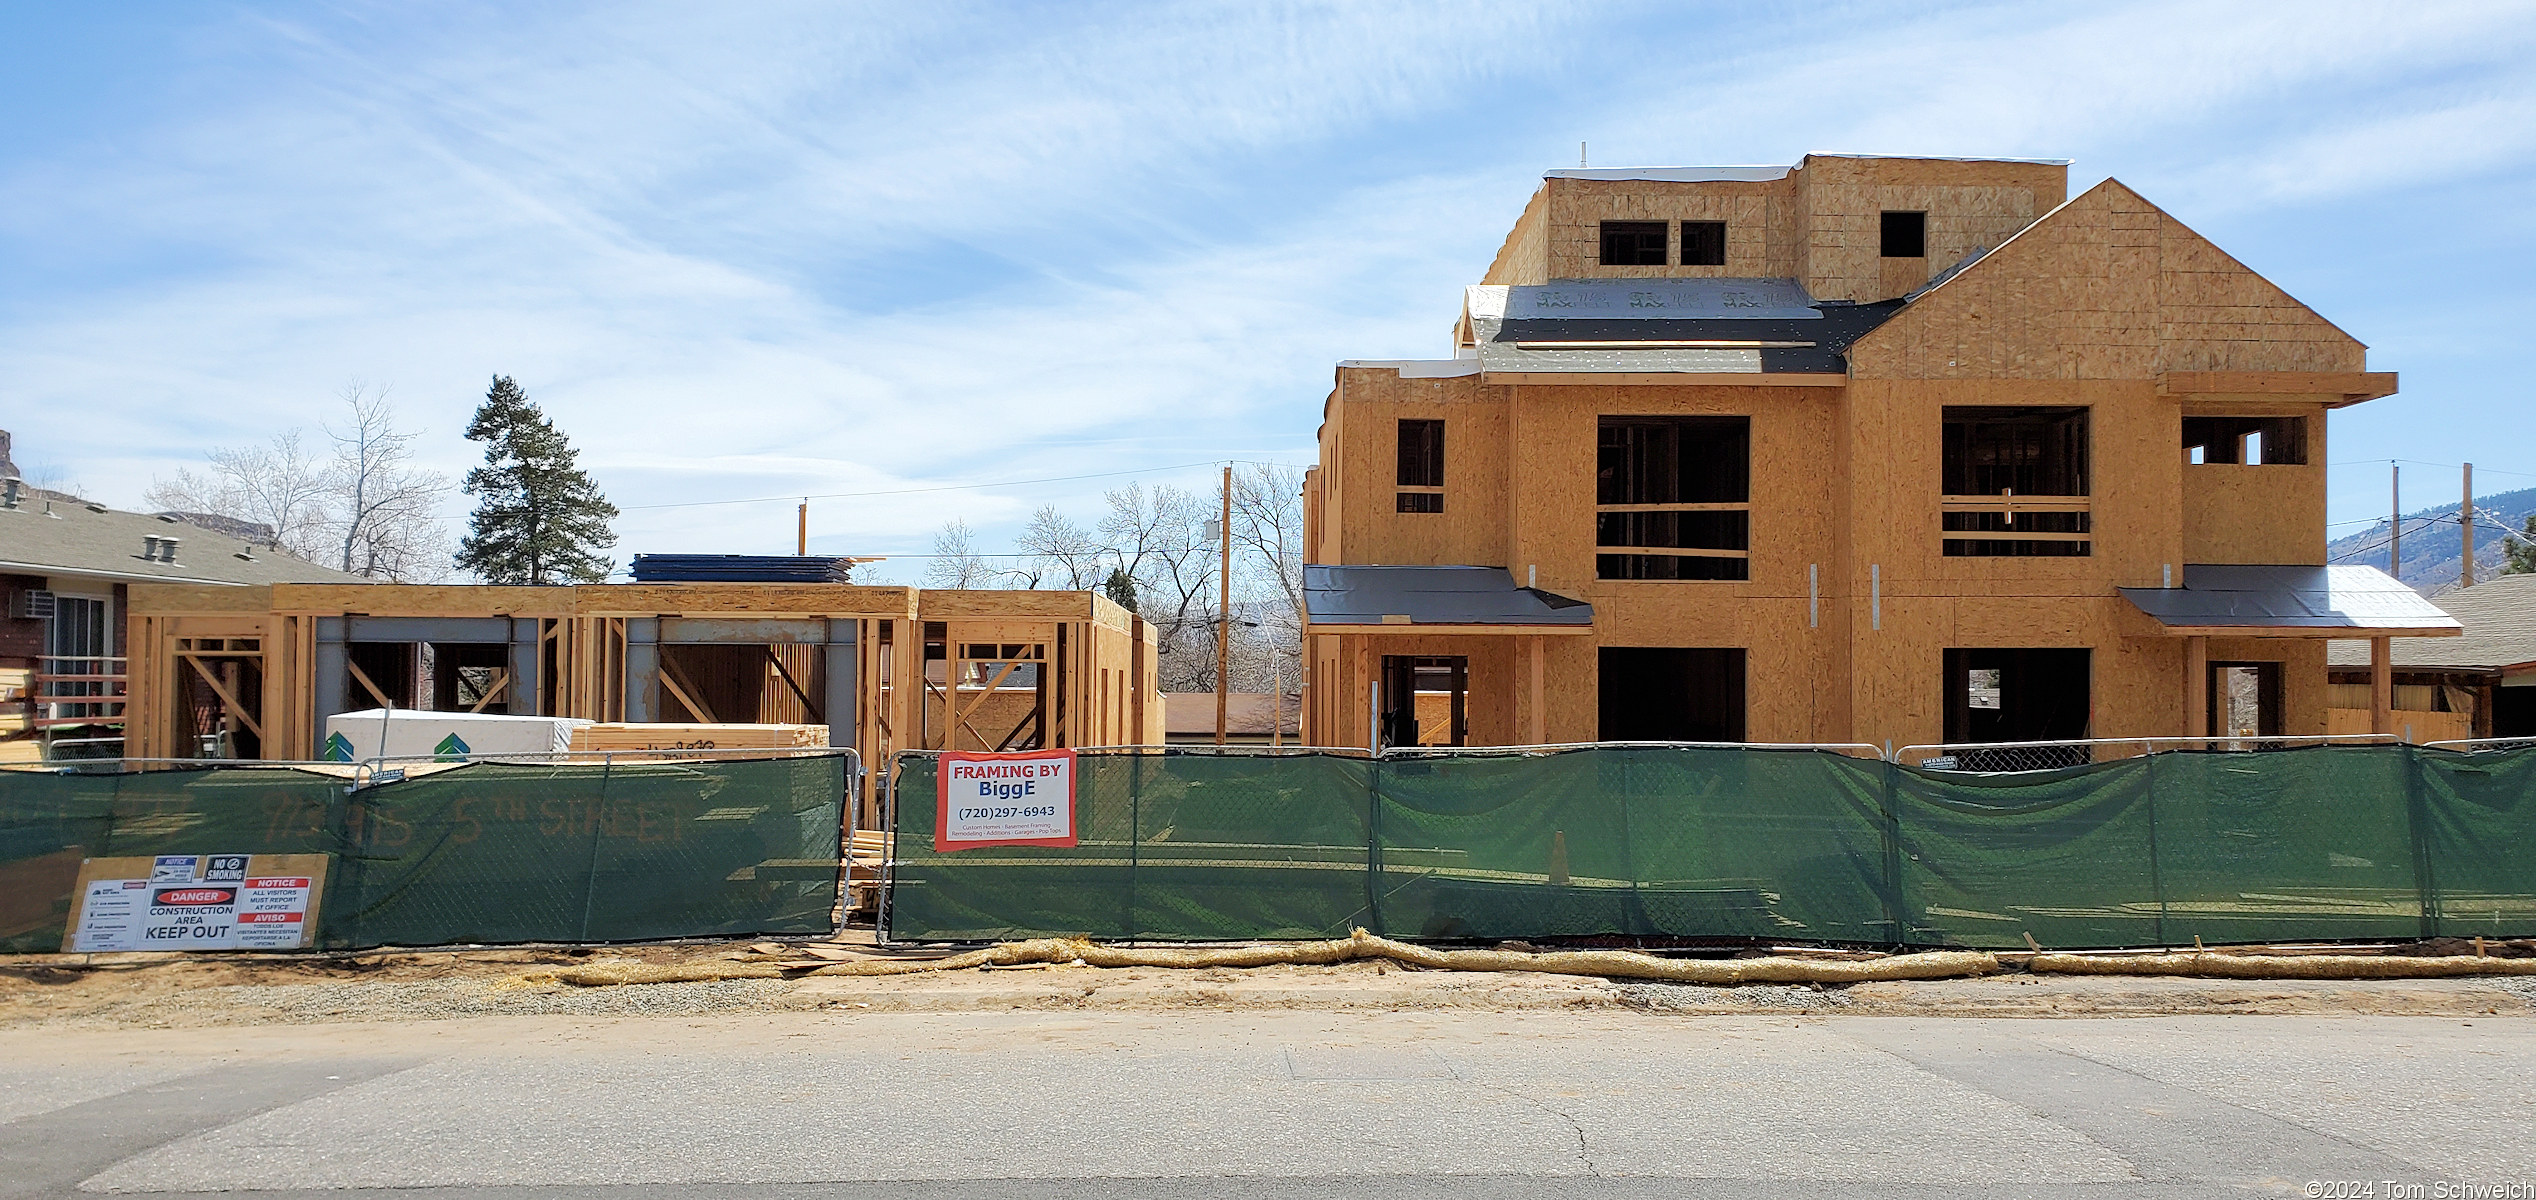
(167, 549)
(149, 547)
(9, 490)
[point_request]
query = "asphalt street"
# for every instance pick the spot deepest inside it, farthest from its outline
(1275, 1105)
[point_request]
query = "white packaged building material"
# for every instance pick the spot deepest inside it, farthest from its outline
(408, 733)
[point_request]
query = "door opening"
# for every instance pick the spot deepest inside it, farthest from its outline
(1425, 700)
(2245, 703)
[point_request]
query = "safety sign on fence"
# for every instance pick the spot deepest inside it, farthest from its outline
(1005, 800)
(197, 902)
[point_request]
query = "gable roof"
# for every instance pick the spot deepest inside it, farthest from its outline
(54, 535)
(2106, 286)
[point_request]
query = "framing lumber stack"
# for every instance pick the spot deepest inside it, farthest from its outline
(665, 735)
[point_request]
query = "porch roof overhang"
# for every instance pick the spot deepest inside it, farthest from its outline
(1431, 600)
(2286, 600)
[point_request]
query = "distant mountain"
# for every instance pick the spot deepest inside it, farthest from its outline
(2433, 551)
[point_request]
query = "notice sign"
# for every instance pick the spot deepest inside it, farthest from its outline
(197, 902)
(1006, 800)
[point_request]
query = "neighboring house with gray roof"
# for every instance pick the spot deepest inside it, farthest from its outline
(2479, 684)
(64, 566)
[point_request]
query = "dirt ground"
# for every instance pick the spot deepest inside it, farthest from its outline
(172, 990)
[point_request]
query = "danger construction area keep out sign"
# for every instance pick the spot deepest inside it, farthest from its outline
(1006, 800)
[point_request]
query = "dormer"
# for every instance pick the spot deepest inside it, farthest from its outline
(1845, 227)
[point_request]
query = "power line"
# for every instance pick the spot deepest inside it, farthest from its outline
(793, 497)
(2380, 462)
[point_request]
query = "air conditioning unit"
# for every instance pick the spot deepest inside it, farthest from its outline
(31, 605)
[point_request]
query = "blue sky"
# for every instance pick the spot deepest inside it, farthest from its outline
(770, 249)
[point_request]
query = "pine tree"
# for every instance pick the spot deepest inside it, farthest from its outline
(539, 519)
(2519, 556)
(1121, 588)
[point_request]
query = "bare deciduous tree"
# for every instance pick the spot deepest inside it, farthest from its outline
(1058, 552)
(385, 510)
(276, 485)
(368, 510)
(956, 562)
(1268, 545)
(1159, 539)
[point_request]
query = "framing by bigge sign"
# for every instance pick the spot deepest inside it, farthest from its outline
(1005, 800)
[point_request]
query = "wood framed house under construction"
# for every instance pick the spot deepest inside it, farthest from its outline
(1863, 450)
(253, 672)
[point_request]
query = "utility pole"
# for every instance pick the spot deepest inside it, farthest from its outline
(801, 530)
(1277, 699)
(1223, 603)
(2465, 531)
(2395, 524)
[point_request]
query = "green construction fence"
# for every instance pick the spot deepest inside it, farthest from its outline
(2323, 843)
(484, 852)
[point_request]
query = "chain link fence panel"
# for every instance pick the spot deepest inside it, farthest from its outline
(2227, 844)
(484, 852)
(1170, 847)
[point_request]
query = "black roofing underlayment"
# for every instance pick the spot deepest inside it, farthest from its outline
(739, 568)
(1432, 595)
(1840, 326)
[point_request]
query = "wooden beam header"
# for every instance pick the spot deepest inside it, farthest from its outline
(2352, 386)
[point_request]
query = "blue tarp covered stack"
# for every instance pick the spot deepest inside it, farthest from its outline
(739, 568)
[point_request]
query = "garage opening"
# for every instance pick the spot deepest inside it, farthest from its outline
(2019, 695)
(1671, 694)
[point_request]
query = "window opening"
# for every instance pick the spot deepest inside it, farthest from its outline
(1905, 235)
(2247, 441)
(1670, 694)
(1703, 243)
(1673, 498)
(1421, 473)
(1633, 244)
(2015, 481)
(2018, 695)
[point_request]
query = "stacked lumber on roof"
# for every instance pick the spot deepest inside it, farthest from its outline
(666, 735)
(740, 568)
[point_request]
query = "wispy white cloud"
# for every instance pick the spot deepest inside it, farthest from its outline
(810, 249)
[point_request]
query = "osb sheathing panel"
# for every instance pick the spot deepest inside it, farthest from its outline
(1760, 231)
(1821, 224)
(1524, 258)
(2108, 287)
(423, 600)
(1364, 465)
(1551, 509)
(990, 604)
(2255, 514)
(1840, 205)
(198, 598)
